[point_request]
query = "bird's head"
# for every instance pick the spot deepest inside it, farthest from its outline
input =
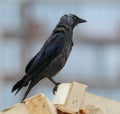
(71, 20)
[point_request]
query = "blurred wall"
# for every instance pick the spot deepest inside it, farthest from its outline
(95, 58)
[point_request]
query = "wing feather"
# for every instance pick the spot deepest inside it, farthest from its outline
(43, 58)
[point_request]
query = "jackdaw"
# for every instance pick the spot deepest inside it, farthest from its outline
(52, 56)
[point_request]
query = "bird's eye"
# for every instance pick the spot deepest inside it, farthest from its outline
(74, 18)
(71, 20)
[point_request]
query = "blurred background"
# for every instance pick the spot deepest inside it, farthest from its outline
(95, 58)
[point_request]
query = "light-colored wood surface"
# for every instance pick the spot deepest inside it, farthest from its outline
(16, 109)
(70, 95)
(100, 104)
(75, 98)
(70, 98)
(38, 104)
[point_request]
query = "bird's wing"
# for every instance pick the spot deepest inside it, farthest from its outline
(43, 58)
(33, 60)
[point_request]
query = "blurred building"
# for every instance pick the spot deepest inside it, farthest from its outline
(95, 58)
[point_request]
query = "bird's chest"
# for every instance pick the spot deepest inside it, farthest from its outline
(58, 63)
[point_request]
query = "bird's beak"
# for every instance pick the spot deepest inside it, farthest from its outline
(82, 20)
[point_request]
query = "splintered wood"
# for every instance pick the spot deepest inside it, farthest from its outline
(70, 98)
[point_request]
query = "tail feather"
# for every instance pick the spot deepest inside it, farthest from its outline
(18, 90)
(20, 84)
(27, 91)
(32, 83)
(24, 82)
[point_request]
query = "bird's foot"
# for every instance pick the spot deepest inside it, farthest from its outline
(56, 87)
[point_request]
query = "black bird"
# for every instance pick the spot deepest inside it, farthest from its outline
(52, 56)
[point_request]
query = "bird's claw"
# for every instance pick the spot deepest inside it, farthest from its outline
(56, 87)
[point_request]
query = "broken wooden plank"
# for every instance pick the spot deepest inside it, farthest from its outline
(70, 95)
(16, 109)
(38, 104)
(70, 98)
(100, 104)
(63, 110)
(74, 98)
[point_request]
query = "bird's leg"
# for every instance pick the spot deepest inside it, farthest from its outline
(54, 82)
(56, 87)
